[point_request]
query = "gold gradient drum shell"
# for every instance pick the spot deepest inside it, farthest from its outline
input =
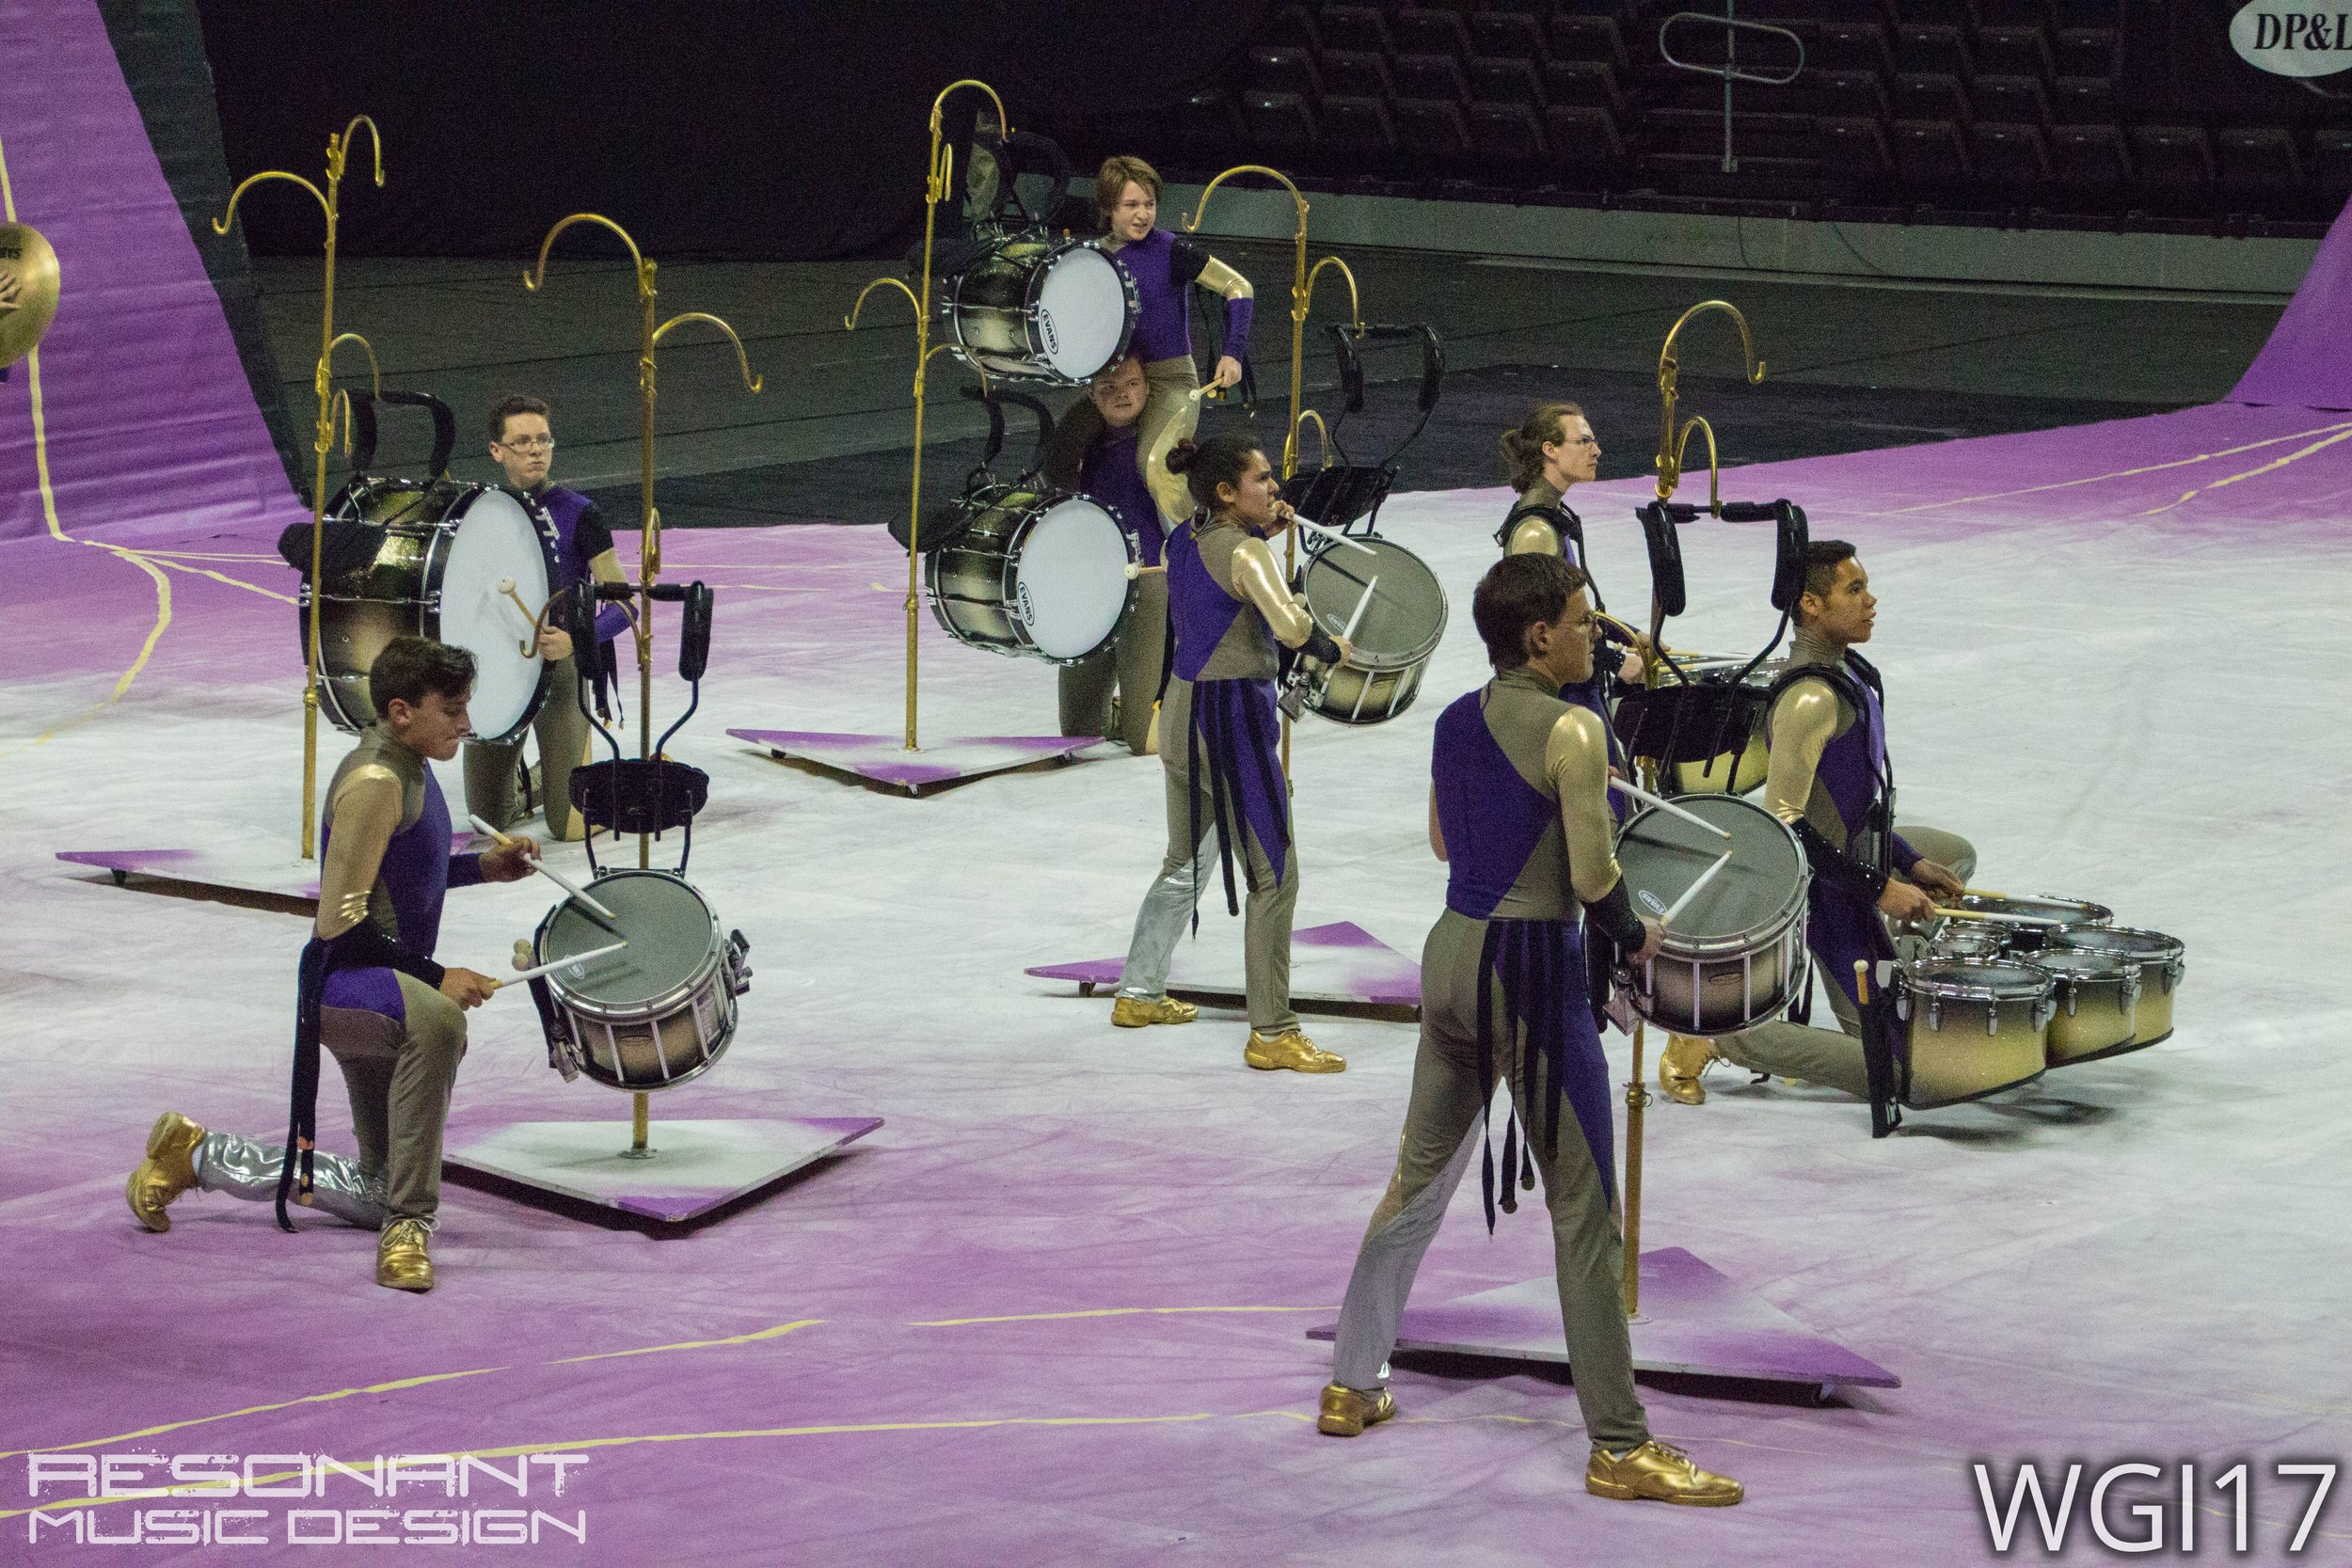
(1971, 1029)
(2095, 1008)
(2163, 962)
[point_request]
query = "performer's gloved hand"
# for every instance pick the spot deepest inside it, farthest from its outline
(510, 862)
(1652, 934)
(1905, 904)
(465, 987)
(1937, 879)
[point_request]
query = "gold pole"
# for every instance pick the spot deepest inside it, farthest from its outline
(1301, 291)
(649, 519)
(640, 1127)
(938, 168)
(1636, 1098)
(323, 437)
(1670, 437)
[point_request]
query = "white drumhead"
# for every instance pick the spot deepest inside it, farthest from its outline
(1070, 577)
(496, 541)
(1081, 313)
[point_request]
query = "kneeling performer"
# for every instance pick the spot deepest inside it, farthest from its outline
(371, 993)
(1519, 811)
(1219, 740)
(1831, 781)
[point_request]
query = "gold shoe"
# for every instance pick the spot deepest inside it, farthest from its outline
(401, 1261)
(168, 1170)
(1290, 1049)
(1134, 1012)
(1662, 1473)
(1347, 1413)
(1682, 1064)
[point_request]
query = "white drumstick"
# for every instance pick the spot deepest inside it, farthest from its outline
(552, 874)
(1350, 540)
(535, 972)
(1361, 605)
(2003, 917)
(1667, 806)
(1693, 891)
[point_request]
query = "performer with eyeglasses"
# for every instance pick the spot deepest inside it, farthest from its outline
(1518, 812)
(523, 445)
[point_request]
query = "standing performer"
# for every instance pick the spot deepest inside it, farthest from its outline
(1831, 781)
(1219, 736)
(522, 444)
(1164, 266)
(370, 991)
(1133, 482)
(1518, 812)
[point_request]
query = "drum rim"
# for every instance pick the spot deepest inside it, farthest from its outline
(1730, 944)
(1382, 662)
(1911, 977)
(663, 1003)
(2025, 903)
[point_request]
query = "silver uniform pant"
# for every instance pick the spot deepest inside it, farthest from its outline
(1167, 909)
(248, 1168)
(1441, 1132)
(1833, 1056)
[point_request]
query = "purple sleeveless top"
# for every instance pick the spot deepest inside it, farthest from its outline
(1111, 475)
(416, 873)
(564, 509)
(1233, 719)
(1200, 609)
(1163, 331)
(1491, 818)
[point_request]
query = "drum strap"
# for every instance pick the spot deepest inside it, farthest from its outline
(302, 1118)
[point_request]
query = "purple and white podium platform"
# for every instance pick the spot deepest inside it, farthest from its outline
(290, 883)
(1695, 1322)
(692, 1167)
(1338, 965)
(882, 761)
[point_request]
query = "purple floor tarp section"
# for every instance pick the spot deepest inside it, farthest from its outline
(2308, 360)
(149, 421)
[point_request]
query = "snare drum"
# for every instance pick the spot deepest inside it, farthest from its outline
(2027, 922)
(1031, 310)
(1967, 940)
(662, 1011)
(1400, 630)
(1036, 573)
(1734, 956)
(2095, 1007)
(1974, 1029)
(443, 549)
(2163, 962)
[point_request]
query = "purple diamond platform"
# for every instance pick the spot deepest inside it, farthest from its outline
(1340, 964)
(1694, 1320)
(883, 759)
(695, 1166)
(294, 881)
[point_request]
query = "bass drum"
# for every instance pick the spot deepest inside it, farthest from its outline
(1734, 956)
(1030, 310)
(1399, 629)
(445, 554)
(1035, 574)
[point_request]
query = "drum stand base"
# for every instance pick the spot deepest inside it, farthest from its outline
(1695, 1322)
(692, 1168)
(882, 762)
(1336, 966)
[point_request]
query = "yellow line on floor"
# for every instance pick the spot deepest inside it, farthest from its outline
(2121, 473)
(2272, 467)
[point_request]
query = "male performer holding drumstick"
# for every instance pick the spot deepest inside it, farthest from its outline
(1518, 812)
(1830, 781)
(371, 993)
(1101, 458)
(522, 444)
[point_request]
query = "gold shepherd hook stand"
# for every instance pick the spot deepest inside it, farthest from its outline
(1673, 438)
(938, 168)
(323, 440)
(1302, 294)
(649, 523)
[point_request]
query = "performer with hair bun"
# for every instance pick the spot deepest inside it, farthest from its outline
(1165, 265)
(1229, 604)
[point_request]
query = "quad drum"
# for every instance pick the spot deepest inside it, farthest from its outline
(2162, 959)
(1970, 1029)
(1733, 957)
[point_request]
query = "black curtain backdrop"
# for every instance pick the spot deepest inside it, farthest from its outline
(777, 132)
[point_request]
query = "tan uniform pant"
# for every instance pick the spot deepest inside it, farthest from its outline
(563, 734)
(1135, 660)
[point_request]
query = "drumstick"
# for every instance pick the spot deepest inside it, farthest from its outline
(1135, 571)
(1996, 915)
(1667, 806)
(533, 974)
(1361, 605)
(1693, 891)
(1348, 540)
(548, 871)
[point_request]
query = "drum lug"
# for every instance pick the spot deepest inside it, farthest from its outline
(1935, 1013)
(2073, 999)
(1993, 1016)
(739, 966)
(2043, 1009)
(2131, 988)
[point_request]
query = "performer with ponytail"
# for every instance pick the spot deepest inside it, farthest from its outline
(1229, 605)
(1518, 812)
